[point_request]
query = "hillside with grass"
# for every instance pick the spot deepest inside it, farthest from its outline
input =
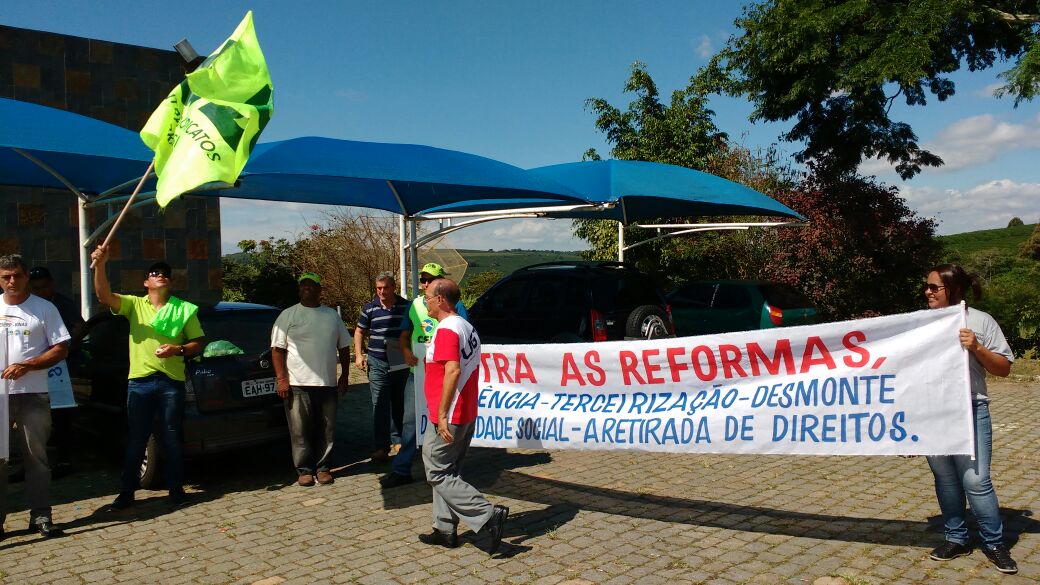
(1005, 240)
(1010, 280)
(507, 261)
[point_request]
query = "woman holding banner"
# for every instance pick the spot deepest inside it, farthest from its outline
(960, 477)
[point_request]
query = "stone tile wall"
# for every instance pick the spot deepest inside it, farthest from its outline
(121, 84)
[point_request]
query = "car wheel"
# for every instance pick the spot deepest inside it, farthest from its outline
(151, 472)
(566, 338)
(647, 322)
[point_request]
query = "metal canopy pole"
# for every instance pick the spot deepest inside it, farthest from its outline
(401, 250)
(85, 293)
(413, 254)
(620, 242)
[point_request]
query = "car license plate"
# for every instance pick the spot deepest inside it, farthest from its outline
(258, 387)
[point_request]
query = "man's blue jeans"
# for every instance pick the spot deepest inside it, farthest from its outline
(957, 478)
(387, 401)
(150, 400)
(402, 463)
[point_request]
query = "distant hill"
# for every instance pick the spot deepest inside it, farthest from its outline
(1005, 240)
(507, 261)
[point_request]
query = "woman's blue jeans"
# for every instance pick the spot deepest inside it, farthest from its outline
(154, 403)
(957, 478)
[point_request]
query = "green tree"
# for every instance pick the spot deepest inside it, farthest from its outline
(837, 66)
(682, 133)
(261, 273)
(1031, 247)
(476, 285)
(1015, 221)
(863, 251)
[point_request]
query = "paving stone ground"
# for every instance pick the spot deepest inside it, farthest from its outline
(576, 518)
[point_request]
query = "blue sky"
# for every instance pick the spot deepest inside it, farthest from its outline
(508, 80)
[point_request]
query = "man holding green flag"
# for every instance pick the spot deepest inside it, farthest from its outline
(204, 131)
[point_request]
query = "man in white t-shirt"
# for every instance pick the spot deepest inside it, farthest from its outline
(36, 340)
(306, 341)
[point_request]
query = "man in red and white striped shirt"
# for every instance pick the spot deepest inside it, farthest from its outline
(452, 370)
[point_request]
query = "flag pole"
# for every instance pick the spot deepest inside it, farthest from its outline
(126, 207)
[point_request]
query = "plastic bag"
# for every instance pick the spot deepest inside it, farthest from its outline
(221, 347)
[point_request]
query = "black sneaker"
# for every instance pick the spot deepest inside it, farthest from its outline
(947, 551)
(438, 538)
(123, 501)
(1001, 557)
(392, 480)
(497, 526)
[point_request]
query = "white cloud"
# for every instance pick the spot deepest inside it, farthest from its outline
(985, 206)
(245, 219)
(532, 234)
(980, 139)
(876, 166)
(971, 142)
(704, 47)
(249, 219)
(988, 91)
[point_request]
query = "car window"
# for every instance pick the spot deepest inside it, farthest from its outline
(623, 291)
(545, 293)
(731, 296)
(578, 293)
(508, 296)
(694, 295)
(250, 331)
(784, 296)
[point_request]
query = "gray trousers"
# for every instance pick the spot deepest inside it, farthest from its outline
(453, 498)
(31, 414)
(311, 413)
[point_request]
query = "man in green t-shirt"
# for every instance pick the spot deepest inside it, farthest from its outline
(416, 330)
(163, 331)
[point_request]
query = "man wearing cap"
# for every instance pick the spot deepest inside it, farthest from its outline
(416, 331)
(63, 407)
(306, 341)
(35, 340)
(164, 330)
(380, 321)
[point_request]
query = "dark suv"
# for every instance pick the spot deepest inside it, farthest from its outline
(720, 306)
(565, 302)
(230, 401)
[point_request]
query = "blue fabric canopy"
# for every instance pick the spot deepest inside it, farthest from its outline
(92, 155)
(646, 190)
(347, 172)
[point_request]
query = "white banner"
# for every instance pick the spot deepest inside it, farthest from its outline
(894, 385)
(5, 422)
(422, 415)
(59, 386)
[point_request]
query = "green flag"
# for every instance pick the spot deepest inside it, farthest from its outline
(205, 129)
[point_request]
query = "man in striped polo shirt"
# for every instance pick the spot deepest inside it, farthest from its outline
(380, 320)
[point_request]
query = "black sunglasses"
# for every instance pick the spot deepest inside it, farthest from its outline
(426, 280)
(932, 288)
(158, 273)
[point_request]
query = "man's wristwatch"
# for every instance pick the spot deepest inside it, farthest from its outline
(180, 349)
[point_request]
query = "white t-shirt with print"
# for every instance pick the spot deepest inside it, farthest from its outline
(988, 332)
(312, 337)
(31, 327)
